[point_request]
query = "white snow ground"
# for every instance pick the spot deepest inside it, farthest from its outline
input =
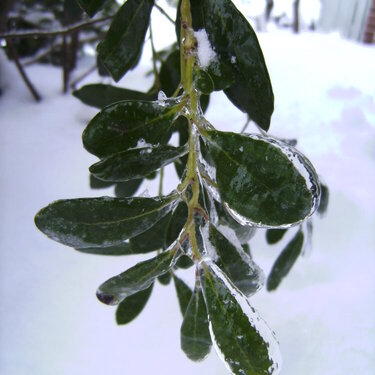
(323, 313)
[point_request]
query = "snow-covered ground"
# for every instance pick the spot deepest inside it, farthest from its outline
(323, 313)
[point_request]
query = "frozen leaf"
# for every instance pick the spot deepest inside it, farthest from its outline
(184, 293)
(101, 222)
(262, 181)
(121, 48)
(324, 199)
(122, 249)
(127, 188)
(132, 306)
(274, 235)
(135, 279)
(136, 163)
(195, 336)
(129, 124)
(285, 261)
(241, 338)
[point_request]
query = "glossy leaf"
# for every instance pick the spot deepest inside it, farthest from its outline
(177, 222)
(170, 75)
(95, 183)
(101, 222)
(132, 306)
(203, 82)
(236, 44)
(91, 7)
(126, 124)
(99, 95)
(184, 293)
(122, 249)
(184, 262)
(242, 339)
(121, 48)
(165, 279)
(285, 261)
(274, 235)
(181, 126)
(136, 278)
(233, 261)
(153, 238)
(195, 335)
(259, 180)
(136, 163)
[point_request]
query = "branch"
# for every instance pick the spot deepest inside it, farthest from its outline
(47, 33)
(164, 13)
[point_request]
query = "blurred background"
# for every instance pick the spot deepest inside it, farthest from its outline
(321, 57)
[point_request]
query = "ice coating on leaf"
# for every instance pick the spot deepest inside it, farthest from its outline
(205, 52)
(307, 228)
(209, 251)
(228, 296)
(162, 97)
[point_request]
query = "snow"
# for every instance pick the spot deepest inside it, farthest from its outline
(323, 313)
(205, 52)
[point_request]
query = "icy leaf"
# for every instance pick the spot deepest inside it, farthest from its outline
(91, 7)
(95, 183)
(132, 306)
(262, 181)
(274, 235)
(177, 222)
(153, 238)
(181, 126)
(122, 249)
(136, 278)
(127, 188)
(165, 279)
(285, 261)
(241, 338)
(233, 261)
(136, 163)
(184, 293)
(323, 199)
(203, 82)
(236, 45)
(123, 125)
(101, 222)
(99, 95)
(195, 336)
(121, 48)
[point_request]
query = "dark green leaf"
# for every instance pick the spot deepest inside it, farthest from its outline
(165, 279)
(121, 48)
(99, 95)
(122, 125)
(135, 279)
(177, 222)
(153, 238)
(127, 188)
(95, 183)
(234, 262)
(195, 335)
(136, 163)
(132, 306)
(101, 222)
(274, 235)
(236, 45)
(170, 76)
(238, 331)
(91, 6)
(184, 293)
(122, 249)
(204, 82)
(246, 249)
(181, 126)
(324, 198)
(285, 261)
(259, 182)
(184, 262)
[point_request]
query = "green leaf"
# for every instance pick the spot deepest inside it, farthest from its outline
(184, 293)
(233, 261)
(274, 235)
(195, 335)
(170, 76)
(95, 183)
(242, 338)
(285, 261)
(236, 44)
(165, 279)
(136, 163)
(101, 222)
(177, 222)
(121, 48)
(122, 249)
(184, 262)
(203, 82)
(324, 199)
(153, 238)
(132, 306)
(261, 180)
(126, 124)
(91, 6)
(136, 278)
(99, 95)
(181, 126)
(127, 188)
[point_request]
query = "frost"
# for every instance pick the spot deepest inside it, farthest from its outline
(205, 52)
